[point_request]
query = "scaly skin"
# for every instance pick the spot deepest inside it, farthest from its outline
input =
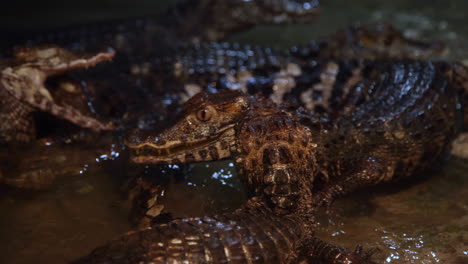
(23, 91)
(375, 41)
(384, 111)
(286, 184)
(134, 40)
(142, 83)
(251, 234)
(380, 41)
(293, 163)
(276, 73)
(188, 21)
(262, 67)
(24, 94)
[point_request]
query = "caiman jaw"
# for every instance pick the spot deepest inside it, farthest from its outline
(216, 147)
(204, 131)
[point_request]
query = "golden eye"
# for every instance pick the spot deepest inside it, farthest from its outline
(205, 114)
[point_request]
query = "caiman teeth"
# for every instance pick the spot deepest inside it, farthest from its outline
(154, 153)
(149, 151)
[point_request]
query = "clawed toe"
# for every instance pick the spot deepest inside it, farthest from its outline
(360, 256)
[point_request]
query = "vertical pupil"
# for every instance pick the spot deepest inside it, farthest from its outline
(203, 115)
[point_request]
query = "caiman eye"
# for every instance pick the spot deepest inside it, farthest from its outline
(205, 114)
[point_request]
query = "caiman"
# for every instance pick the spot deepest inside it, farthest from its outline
(142, 87)
(289, 179)
(395, 119)
(40, 81)
(23, 91)
(134, 40)
(139, 76)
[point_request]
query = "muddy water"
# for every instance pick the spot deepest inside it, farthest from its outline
(425, 221)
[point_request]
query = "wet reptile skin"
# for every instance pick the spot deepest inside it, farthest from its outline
(134, 40)
(337, 97)
(23, 91)
(251, 234)
(400, 121)
(42, 82)
(188, 21)
(149, 50)
(141, 84)
(146, 72)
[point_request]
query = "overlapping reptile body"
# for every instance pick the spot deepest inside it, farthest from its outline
(294, 161)
(144, 79)
(400, 121)
(251, 234)
(380, 41)
(135, 40)
(376, 41)
(401, 115)
(273, 72)
(188, 21)
(385, 108)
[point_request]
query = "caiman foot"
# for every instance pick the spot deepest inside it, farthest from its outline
(372, 171)
(359, 256)
(317, 251)
(324, 199)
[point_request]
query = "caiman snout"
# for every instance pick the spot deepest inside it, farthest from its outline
(205, 131)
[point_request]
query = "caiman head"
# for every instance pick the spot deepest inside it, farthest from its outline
(236, 15)
(272, 9)
(256, 12)
(205, 131)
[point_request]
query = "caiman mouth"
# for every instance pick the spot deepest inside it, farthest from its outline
(173, 152)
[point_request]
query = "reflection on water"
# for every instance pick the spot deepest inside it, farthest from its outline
(425, 222)
(421, 222)
(198, 194)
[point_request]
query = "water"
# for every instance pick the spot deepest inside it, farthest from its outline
(425, 221)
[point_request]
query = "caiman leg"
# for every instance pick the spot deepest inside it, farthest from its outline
(372, 171)
(318, 251)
